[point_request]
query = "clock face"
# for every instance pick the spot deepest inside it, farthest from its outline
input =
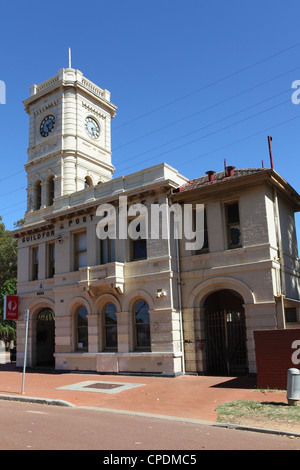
(92, 127)
(47, 125)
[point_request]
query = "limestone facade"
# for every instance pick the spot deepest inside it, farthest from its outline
(142, 306)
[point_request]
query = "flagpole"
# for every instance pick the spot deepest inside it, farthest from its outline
(70, 58)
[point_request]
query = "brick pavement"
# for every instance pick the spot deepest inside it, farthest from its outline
(188, 396)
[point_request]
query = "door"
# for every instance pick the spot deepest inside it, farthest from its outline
(225, 333)
(45, 338)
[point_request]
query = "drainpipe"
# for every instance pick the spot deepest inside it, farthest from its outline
(280, 254)
(179, 297)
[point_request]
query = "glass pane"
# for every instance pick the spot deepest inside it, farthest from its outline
(112, 250)
(104, 251)
(290, 314)
(111, 337)
(82, 338)
(82, 259)
(82, 316)
(81, 241)
(233, 213)
(110, 315)
(142, 336)
(82, 328)
(142, 312)
(235, 236)
(139, 249)
(51, 191)
(52, 252)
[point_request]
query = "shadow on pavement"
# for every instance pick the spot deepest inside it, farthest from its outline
(237, 382)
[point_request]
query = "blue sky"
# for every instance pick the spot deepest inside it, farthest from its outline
(195, 82)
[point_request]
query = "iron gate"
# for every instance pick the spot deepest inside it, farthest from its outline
(225, 333)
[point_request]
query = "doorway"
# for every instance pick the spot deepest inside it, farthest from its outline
(225, 333)
(45, 338)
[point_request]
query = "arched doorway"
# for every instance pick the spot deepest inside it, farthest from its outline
(225, 334)
(45, 338)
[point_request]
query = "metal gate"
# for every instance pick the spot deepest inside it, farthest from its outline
(45, 338)
(225, 333)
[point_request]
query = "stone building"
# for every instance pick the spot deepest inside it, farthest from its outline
(144, 304)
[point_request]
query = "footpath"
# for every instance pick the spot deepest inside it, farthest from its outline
(187, 397)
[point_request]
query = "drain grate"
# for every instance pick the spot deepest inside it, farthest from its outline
(100, 387)
(103, 386)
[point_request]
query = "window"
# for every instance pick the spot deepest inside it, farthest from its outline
(80, 250)
(142, 326)
(38, 195)
(51, 259)
(35, 263)
(81, 329)
(233, 225)
(107, 250)
(139, 247)
(291, 315)
(50, 191)
(110, 327)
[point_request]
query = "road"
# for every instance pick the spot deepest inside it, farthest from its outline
(31, 426)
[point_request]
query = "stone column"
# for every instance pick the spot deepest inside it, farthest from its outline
(69, 177)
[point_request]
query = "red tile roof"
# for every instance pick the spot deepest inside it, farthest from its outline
(218, 177)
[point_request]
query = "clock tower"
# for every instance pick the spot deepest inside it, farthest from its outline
(69, 138)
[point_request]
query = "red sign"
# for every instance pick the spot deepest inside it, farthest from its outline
(11, 307)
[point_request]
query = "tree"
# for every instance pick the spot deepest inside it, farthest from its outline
(8, 278)
(8, 255)
(19, 223)
(7, 327)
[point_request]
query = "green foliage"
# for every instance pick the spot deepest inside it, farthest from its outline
(8, 255)
(19, 223)
(7, 327)
(8, 278)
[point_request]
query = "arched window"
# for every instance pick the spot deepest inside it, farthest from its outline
(50, 191)
(81, 329)
(110, 327)
(37, 195)
(142, 326)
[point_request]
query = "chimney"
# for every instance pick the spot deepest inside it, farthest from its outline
(230, 170)
(210, 176)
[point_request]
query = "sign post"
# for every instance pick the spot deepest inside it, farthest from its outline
(26, 317)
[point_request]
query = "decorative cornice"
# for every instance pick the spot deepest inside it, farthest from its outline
(93, 110)
(42, 109)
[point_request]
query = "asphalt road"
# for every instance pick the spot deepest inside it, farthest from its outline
(31, 426)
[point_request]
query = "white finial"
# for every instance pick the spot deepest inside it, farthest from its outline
(70, 58)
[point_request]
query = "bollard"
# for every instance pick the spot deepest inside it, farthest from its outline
(293, 387)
